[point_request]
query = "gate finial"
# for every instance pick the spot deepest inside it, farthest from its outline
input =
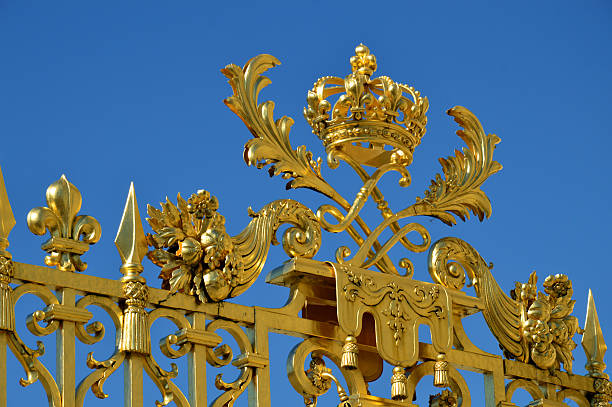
(593, 341)
(7, 220)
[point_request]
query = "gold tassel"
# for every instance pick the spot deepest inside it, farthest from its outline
(441, 371)
(398, 384)
(350, 351)
(7, 303)
(135, 335)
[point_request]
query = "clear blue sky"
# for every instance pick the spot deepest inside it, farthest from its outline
(113, 92)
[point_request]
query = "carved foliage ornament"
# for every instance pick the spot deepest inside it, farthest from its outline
(197, 255)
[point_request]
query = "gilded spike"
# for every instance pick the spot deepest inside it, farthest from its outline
(7, 220)
(593, 341)
(130, 241)
(132, 247)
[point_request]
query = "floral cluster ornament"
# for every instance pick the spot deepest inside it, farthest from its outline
(197, 255)
(548, 326)
(71, 234)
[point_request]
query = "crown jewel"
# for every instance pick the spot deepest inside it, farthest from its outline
(388, 116)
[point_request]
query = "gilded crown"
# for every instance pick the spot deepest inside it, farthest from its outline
(387, 116)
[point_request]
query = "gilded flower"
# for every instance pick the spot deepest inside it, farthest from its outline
(557, 286)
(202, 204)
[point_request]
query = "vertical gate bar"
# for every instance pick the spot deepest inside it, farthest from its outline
(132, 381)
(489, 390)
(3, 368)
(196, 360)
(495, 387)
(66, 352)
(259, 388)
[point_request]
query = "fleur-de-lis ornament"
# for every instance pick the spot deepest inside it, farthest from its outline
(71, 235)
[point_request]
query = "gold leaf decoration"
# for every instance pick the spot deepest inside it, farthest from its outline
(459, 191)
(270, 145)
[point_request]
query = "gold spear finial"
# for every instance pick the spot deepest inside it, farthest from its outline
(593, 342)
(7, 220)
(130, 241)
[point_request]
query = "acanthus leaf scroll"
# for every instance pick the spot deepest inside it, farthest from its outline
(270, 144)
(459, 191)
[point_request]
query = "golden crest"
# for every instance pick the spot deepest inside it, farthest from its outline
(357, 311)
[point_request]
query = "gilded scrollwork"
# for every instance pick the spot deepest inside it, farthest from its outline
(71, 234)
(530, 326)
(318, 378)
(197, 255)
(450, 260)
(247, 361)
(94, 333)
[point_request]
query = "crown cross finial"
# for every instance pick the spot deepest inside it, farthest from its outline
(363, 62)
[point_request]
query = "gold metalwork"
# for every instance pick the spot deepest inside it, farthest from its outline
(398, 307)
(373, 111)
(202, 259)
(7, 222)
(398, 384)
(444, 399)
(356, 312)
(441, 371)
(593, 342)
(132, 247)
(548, 327)
(603, 393)
(529, 326)
(66, 228)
